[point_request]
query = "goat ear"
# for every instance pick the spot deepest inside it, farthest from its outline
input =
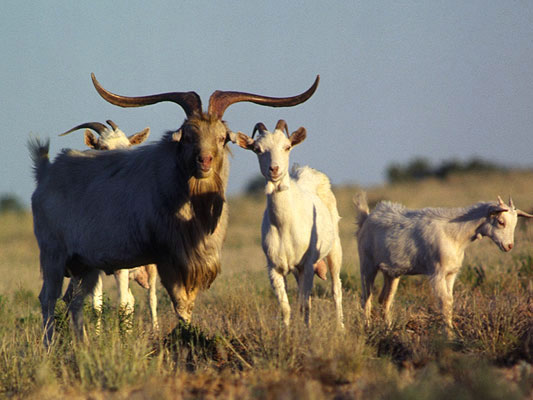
(244, 141)
(139, 137)
(176, 136)
(521, 213)
(90, 139)
(298, 136)
(231, 137)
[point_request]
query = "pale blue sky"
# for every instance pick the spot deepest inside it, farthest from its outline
(439, 79)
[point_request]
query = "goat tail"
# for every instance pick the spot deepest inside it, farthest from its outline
(39, 155)
(361, 208)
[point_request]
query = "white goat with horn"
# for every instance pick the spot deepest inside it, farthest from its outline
(109, 139)
(300, 222)
(146, 275)
(430, 241)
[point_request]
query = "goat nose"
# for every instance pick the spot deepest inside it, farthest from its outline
(205, 160)
(274, 170)
(510, 246)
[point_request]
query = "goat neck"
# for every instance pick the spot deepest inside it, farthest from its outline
(280, 198)
(473, 223)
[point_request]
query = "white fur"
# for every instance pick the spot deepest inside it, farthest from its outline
(300, 222)
(431, 241)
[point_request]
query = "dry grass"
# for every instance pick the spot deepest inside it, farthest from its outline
(491, 357)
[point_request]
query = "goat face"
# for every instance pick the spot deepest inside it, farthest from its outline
(272, 149)
(202, 145)
(501, 224)
(115, 140)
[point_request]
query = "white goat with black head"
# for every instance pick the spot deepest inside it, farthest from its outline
(300, 222)
(146, 275)
(162, 203)
(430, 241)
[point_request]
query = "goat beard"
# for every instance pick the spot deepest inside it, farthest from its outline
(207, 198)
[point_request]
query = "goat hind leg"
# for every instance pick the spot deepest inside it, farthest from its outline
(305, 285)
(53, 275)
(368, 275)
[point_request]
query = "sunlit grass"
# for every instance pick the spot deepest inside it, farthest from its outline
(491, 356)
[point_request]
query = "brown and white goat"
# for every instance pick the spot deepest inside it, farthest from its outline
(162, 203)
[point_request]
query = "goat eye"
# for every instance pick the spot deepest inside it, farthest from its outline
(258, 150)
(501, 223)
(287, 148)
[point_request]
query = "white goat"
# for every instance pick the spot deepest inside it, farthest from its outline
(430, 241)
(146, 275)
(300, 222)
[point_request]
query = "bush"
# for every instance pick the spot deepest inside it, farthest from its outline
(420, 168)
(10, 203)
(255, 186)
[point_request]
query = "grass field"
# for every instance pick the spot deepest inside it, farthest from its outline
(491, 357)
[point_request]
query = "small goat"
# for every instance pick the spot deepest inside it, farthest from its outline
(146, 275)
(163, 203)
(300, 222)
(430, 241)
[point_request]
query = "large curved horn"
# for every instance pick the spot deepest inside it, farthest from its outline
(259, 127)
(95, 126)
(220, 100)
(282, 126)
(189, 101)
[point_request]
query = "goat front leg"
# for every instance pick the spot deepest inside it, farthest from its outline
(386, 297)
(182, 299)
(82, 286)
(277, 281)
(98, 298)
(450, 281)
(126, 301)
(152, 294)
(445, 301)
